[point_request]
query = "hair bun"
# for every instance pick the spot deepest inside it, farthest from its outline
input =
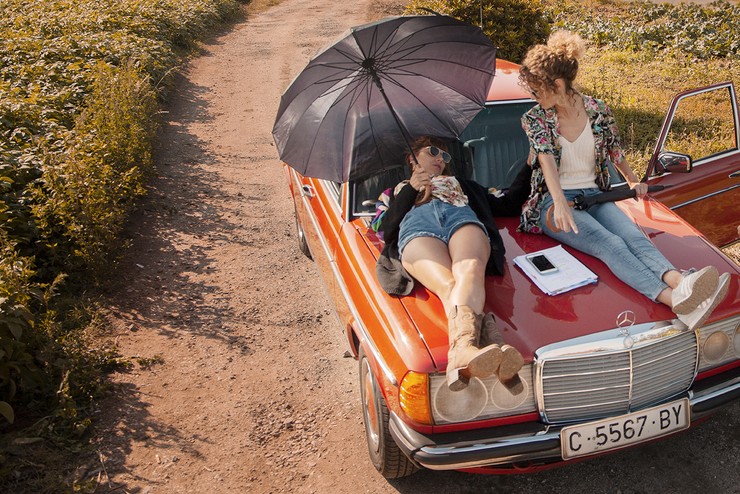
(567, 44)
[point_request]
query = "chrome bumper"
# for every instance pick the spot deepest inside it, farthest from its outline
(530, 444)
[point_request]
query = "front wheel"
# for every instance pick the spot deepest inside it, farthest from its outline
(386, 456)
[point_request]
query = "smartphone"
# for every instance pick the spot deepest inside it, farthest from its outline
(542, 263)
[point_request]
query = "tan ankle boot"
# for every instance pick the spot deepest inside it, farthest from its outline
(465, 359)
(511, 360)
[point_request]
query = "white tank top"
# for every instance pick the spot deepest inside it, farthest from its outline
(577, 167)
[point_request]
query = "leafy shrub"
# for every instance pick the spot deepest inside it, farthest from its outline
(17, 369)
(78, 101)
(84, 195)
(512, 25)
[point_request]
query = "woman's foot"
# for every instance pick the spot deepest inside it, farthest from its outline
(693, 289)
(702, 311)
(511, 360)
(464, 358)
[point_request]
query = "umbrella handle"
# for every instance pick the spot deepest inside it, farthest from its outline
(424, 195)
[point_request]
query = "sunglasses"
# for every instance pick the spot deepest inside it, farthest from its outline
(533, 93)
(434, 151)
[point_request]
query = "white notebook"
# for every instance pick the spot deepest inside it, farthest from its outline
(571, 272)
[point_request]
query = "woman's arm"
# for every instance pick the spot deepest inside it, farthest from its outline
(614, 148)
(632, 180)
(562, 213)
(399, 205)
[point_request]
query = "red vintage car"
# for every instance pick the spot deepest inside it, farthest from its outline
(605, 368)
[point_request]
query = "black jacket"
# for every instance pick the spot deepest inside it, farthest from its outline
(393, 277)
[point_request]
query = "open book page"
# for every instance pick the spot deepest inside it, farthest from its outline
(571, 272)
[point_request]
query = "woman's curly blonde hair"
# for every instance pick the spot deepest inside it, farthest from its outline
(558, 59)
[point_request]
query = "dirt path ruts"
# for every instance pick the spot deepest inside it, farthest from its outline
(252, 393)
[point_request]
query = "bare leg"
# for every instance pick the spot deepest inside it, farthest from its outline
(469, 251)
(455, 273)
(428, 260)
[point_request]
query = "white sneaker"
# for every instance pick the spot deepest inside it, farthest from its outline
(698, 316)
(693, 289)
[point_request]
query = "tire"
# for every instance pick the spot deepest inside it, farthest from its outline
(302, 243)
(385, 455)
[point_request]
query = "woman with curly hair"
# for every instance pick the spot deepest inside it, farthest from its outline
(572, 138)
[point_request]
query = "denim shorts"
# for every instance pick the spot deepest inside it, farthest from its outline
(436, 219)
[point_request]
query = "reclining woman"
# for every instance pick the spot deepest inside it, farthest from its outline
(572, 137)
(449, 242)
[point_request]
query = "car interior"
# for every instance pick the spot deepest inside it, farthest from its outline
(490, 151)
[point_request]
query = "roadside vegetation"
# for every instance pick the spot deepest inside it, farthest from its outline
(81, 83)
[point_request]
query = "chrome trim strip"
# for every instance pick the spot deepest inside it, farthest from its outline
(345, 293)
(510, 102)
(705, 197)
(501, 445)
(713, 395)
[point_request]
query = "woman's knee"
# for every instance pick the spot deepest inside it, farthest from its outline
(469, 268)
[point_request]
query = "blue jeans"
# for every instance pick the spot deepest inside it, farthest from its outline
(436, 219)
(605, 232)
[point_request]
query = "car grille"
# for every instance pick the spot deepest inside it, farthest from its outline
(610, 381)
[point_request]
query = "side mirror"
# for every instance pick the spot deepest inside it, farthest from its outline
(675, 162)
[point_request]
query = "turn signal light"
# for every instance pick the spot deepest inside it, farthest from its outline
(413, 396)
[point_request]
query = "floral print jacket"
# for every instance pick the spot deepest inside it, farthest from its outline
(542, 129)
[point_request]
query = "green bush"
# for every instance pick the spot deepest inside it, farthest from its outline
(512, 25)
(79, 81)
(18, 371)
(85, 193)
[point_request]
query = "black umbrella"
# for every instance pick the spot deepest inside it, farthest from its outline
(353, 109)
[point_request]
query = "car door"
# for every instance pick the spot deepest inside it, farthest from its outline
(319, 214)
(698, 158)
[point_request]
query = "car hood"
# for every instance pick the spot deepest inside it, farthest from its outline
(530, 319)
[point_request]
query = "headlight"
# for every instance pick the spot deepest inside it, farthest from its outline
(715, 346)
(463, 405)
(720, 343)
(483, 399)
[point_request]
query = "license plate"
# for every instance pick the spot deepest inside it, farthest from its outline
(625, 430)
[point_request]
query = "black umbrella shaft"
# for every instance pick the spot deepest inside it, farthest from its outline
(369, 65)
(583, 203)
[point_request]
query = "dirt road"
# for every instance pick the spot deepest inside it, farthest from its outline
(241, 384)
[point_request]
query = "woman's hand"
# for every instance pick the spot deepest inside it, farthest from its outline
(563, 216)
(641, 189)
(420, 179)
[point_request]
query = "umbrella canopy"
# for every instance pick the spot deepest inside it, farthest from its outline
(353, 109)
